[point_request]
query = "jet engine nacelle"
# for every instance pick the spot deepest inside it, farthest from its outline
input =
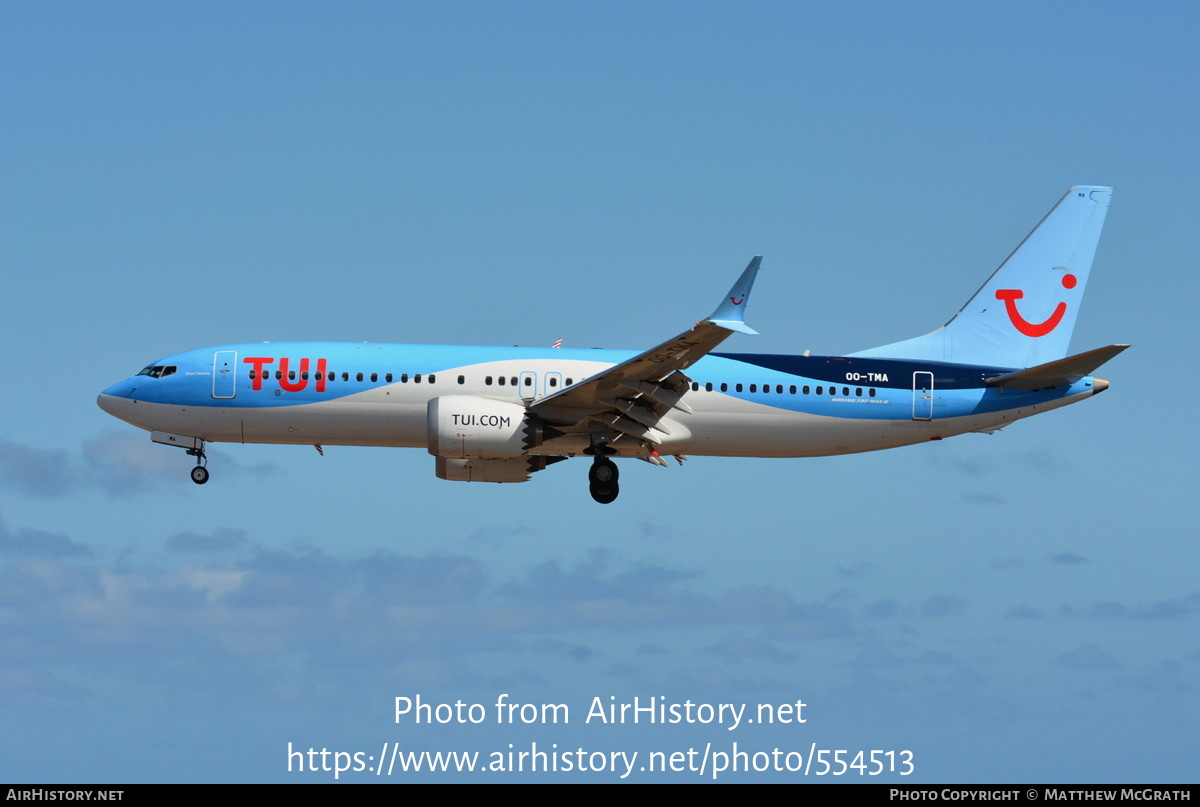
(462, 470)
(469, 427)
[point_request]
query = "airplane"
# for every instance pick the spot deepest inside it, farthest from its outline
(501, 414)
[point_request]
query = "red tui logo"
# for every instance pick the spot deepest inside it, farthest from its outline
(1010, 297)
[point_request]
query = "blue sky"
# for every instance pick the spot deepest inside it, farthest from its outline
(1019, 607)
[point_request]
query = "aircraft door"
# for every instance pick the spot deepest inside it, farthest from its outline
(551, 383)
(528, 382)
(224, 374)
(922, 396)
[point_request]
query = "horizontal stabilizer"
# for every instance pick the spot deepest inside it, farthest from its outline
(1062, 372)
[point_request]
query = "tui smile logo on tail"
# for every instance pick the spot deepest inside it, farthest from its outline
(1010, 297)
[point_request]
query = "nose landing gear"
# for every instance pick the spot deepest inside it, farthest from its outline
(194, 447)
(602, 480)
(200, 472)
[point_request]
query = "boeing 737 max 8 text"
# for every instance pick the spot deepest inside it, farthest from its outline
(499, 414)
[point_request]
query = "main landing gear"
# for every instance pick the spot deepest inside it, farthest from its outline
(200, 472)
(602, 480)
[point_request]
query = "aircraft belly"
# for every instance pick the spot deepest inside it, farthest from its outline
(206, 422)
(734, 428)
(788, 434)
(342, 422)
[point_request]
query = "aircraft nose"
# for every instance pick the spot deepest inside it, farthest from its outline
(115, 399)
(1099, 385)
(112, 404)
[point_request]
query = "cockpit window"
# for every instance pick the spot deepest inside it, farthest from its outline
(158, 370)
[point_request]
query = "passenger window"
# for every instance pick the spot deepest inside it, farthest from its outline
(431, 379)
(820, 390)
(358, 377)
(404, 378)
(416, 378)
(845, 392)
(304, 374)
(253, 375)
(779, 389)
(570, 381)
(528, 381)
(858, 391)
(754, 387)
(871, 392)
(462, 379)
(724, 387)
(738, 387)
(708, 386)
(345, 376)
(278, 375)
(488, 381)
(792, 389)
(502, 381)
(388, 378)
(805, 389)
(553, 381)
(695, 387)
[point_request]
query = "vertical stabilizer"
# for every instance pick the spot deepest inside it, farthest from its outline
(1024, 314)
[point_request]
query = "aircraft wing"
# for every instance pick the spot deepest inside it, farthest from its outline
(632, 397)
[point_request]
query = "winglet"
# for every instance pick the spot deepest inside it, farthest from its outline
(730, 314)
